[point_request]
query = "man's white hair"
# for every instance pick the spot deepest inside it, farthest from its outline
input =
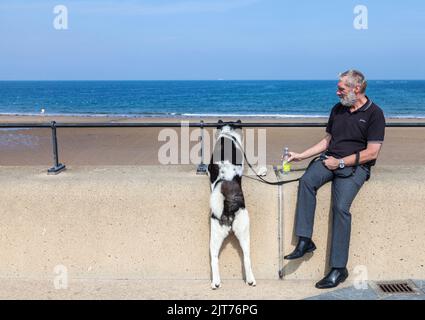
(355, 78)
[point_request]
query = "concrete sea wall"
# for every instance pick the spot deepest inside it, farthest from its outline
(152, 222)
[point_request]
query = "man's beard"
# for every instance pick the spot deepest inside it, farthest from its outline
(349, 100)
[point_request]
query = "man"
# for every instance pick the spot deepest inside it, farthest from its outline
(354, 136)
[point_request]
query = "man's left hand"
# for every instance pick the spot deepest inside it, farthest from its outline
(331, 163)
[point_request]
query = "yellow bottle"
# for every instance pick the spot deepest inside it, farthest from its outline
(286, 166)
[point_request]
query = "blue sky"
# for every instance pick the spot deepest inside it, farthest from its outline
(210, 39)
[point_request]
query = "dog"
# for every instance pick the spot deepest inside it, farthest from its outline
(227, 203)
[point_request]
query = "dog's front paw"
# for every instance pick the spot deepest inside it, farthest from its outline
(215, 285)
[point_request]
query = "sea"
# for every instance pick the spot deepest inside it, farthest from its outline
(232, 98)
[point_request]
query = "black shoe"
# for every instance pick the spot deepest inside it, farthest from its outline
(304, 245)
(333, 278)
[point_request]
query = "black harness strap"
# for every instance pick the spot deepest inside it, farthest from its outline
(216, 182)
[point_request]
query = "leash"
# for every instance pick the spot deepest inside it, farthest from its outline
(260, 178)
(279, 183)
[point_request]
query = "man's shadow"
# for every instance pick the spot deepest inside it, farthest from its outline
(292, 265)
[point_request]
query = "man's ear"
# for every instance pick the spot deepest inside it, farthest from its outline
(357, 90)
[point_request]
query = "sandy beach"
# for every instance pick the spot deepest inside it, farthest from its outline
(139, 146)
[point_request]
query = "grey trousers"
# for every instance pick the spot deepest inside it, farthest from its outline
(344, 190)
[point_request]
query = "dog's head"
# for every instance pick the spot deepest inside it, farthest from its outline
(233, 129)
(228, 146)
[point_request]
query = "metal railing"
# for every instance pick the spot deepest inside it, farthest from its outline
(53, 125)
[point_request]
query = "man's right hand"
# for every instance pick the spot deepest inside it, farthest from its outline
(294, 157)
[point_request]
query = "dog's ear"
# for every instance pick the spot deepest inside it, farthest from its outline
(220, 124)
(237, 124)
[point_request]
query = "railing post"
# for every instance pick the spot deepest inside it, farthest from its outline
(58, 167)
(202, 167)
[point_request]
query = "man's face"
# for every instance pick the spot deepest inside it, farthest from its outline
(346, 94)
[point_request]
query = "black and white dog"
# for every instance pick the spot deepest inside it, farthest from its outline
(228, 212)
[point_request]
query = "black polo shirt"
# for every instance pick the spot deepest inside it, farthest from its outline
(352, 131)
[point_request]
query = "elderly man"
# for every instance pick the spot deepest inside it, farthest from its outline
(354, 136)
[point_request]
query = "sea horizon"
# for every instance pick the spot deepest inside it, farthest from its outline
(200, 98)
(187, 80)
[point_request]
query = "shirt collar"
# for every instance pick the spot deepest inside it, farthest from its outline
(367, 105)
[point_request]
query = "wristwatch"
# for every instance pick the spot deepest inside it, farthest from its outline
(341, 163)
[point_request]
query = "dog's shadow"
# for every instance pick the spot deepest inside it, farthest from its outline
(232, 241)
